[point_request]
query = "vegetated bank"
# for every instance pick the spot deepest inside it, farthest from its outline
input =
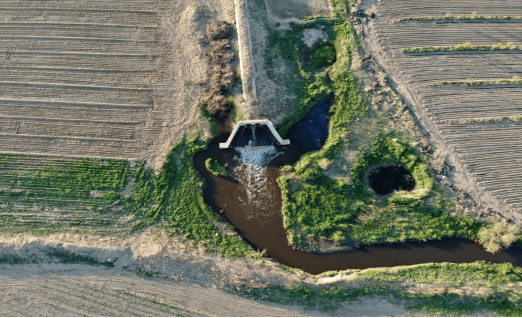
(340, 212)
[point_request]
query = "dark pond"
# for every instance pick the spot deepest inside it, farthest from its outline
(311, 131)
(251, 200)
(386, 179)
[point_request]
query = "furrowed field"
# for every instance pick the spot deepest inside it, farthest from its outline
(43, 195)
(468, 99)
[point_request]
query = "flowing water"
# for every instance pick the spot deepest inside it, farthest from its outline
(250, 199)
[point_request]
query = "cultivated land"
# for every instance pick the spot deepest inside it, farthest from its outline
(99, 78)
(464, 121)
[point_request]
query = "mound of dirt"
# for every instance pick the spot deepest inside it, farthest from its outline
(220, 74)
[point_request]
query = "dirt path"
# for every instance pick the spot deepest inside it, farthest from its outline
(73, 290)
(194, 281)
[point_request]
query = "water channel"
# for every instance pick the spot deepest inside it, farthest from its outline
(250, 199)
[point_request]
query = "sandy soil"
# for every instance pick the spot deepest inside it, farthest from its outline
(479, 161)
(193, 284)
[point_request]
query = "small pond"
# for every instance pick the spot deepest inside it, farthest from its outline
(387, 179)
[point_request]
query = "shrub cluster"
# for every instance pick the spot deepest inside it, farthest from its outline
(473, 16)
(219, 71)
(462, 47)
(515, 80)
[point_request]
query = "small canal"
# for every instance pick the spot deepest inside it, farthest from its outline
(250, 199)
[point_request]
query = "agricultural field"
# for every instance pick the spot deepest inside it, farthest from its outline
(99, 78)
(44, 195)
(474, 127)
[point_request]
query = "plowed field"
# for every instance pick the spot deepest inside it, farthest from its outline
(97, 78)
(463, 120)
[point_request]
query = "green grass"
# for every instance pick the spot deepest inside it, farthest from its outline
(173, 198)
(67, 257)
(473, 16)
(42, 195)
(439, 296)
(322, 56)
(462, 47)
(345, 211)
(515, 80)
(214, 167)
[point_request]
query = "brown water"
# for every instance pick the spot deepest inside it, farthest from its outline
(253, 206)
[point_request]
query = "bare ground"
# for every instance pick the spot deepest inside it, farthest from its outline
(193, 282)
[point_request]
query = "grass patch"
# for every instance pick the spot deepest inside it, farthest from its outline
(73, 195)
(515, 80)
(462, 47)
(173, 198)
(440, 294)
(66, 257)
(322, 56)
(342, 211)
(214, 167)
(472, 16)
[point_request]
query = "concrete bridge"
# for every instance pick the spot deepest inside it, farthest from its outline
(263, 122)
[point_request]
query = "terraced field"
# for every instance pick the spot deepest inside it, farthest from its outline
(486, 154)
(94, 78)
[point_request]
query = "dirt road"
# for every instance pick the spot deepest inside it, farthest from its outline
(74, 290)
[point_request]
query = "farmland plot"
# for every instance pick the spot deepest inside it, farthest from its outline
(44, 195)
(464, 120)
(96, 78)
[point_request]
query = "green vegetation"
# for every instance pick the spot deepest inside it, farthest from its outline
(462, 47)
(440, 294)
(515, 80)
(55, 255)
(497, 236)
(322, 56)
(173, 198)
(214, 167)
(473, 16)
(81, 194)
(346, 212)
(64, 256)
(343, 211)
(310, 87)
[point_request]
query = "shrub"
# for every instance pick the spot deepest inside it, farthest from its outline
(515, 117)
(214, 167)
(323, 56)
(497, 236)
(497, 47)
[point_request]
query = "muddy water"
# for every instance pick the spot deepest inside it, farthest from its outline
(251, 200)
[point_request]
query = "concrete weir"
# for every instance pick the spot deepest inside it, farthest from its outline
(265, 122)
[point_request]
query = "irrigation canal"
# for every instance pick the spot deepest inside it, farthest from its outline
(250, 199)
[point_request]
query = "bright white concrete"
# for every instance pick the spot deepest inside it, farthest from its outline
(266, 122)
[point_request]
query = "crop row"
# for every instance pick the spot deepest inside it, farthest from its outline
(474, 16)
(391, 10)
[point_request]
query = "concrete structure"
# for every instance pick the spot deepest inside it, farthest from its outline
(265, 122)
